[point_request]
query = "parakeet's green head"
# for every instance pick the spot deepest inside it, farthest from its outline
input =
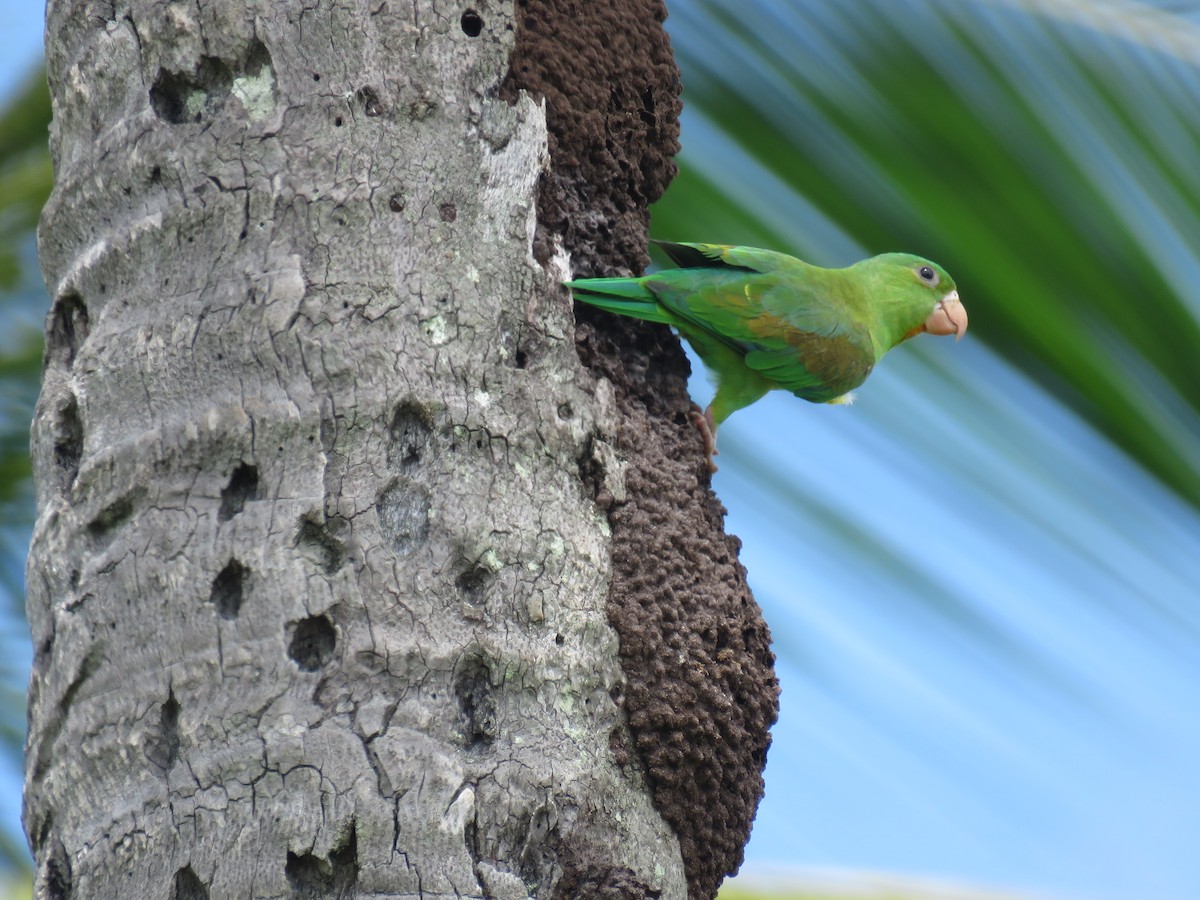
(907, 295)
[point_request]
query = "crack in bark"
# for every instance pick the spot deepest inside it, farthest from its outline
(91, 664)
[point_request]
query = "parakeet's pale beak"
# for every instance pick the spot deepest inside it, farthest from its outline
(948, 317)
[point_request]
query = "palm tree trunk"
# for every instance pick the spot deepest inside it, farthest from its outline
(322, 597)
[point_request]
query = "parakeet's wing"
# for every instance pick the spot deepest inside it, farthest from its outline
(725, 256)
(791, 321)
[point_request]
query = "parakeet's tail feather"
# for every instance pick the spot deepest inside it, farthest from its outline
(624, 296)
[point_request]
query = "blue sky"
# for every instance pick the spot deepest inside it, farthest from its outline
(1053, 752)
(20, 50)
(20, 41)
(985, 621)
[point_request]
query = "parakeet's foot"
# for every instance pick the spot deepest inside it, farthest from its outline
(708, 433)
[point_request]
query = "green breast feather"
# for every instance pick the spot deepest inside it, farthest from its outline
(762, 320)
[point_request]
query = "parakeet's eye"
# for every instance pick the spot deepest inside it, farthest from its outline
(927, 275)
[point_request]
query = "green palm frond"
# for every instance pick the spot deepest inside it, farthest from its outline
(966, 572)
(25, 173)
(1044, 152)
(25, 182)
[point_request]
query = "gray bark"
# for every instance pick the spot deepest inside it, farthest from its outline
(318, 598)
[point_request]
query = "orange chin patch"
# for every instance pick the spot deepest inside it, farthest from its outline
(914, 332)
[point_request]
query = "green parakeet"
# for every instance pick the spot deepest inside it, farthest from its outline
(762, 320)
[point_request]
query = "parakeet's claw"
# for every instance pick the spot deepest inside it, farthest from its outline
(708, 433)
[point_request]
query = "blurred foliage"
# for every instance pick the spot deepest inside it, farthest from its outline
(803, 885)
(19, 370)
(25, 172)
(1045, 153)
(16, 886)
(25, 182)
